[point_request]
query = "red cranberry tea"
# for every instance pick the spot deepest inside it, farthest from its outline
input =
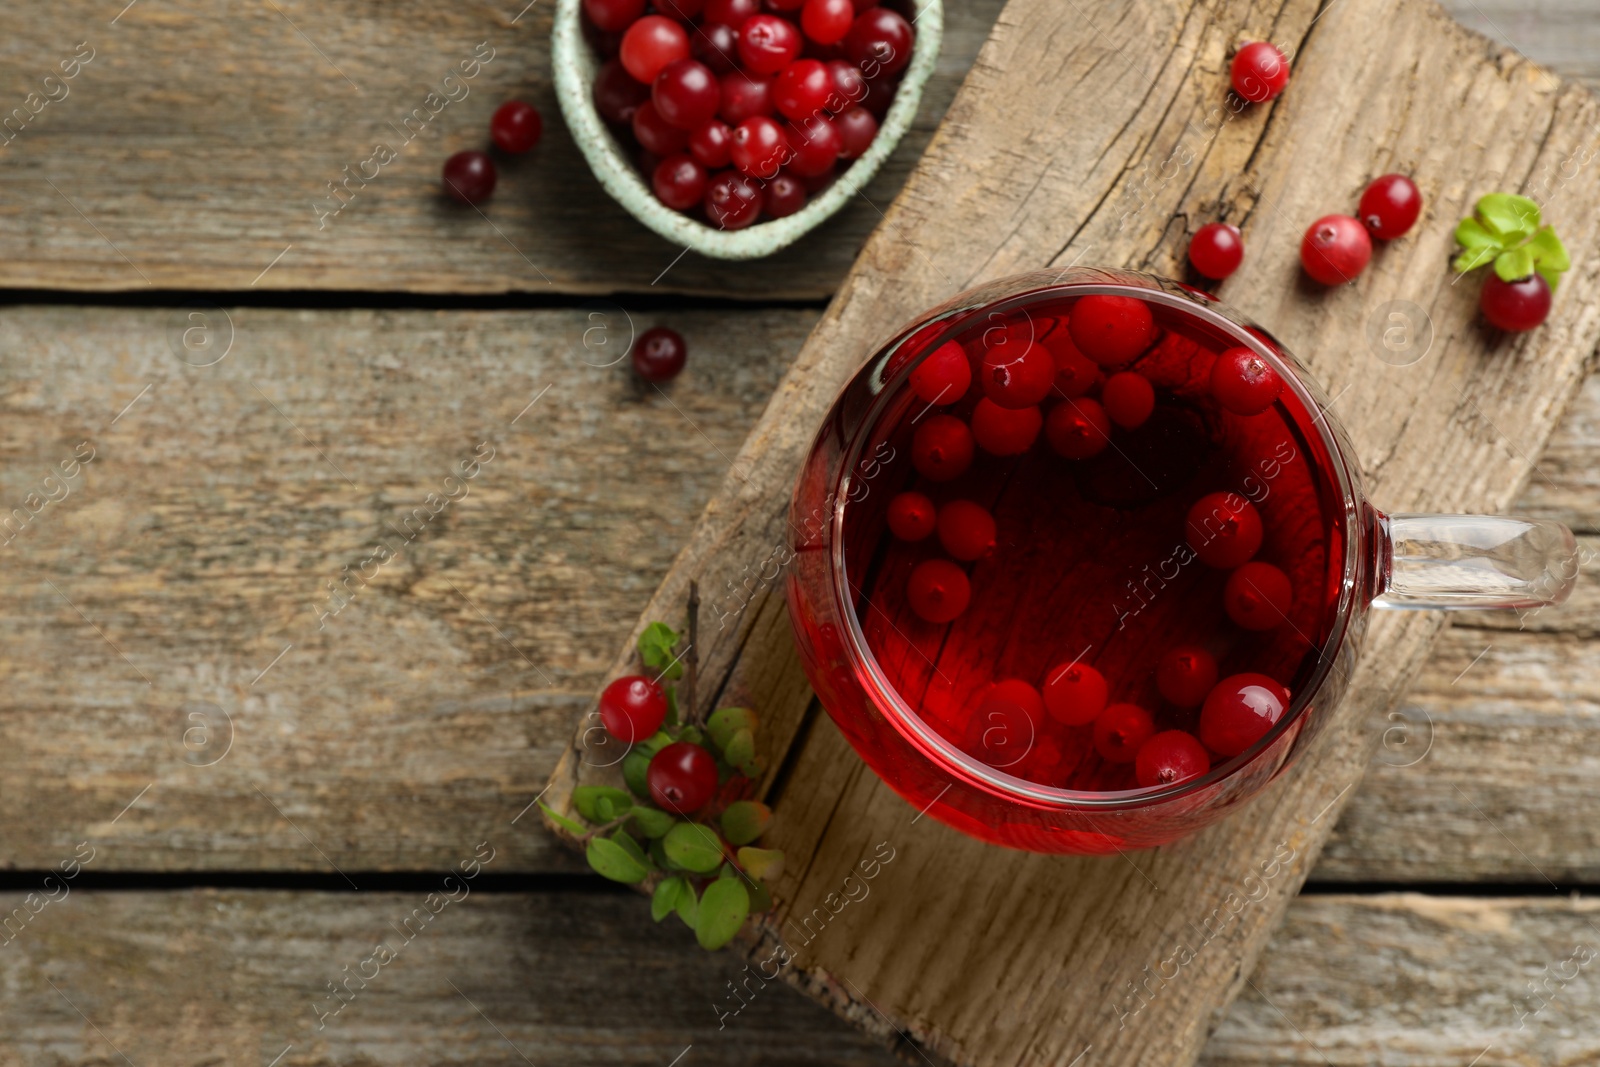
(1106, 552)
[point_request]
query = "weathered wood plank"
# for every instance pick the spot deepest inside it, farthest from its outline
(145, 174)
(1428, 438)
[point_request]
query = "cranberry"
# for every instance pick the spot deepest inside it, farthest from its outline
(679, 182)
(1185, 675)
(632, 709)
(1075, 693)
(1244, 382)
(717, 46)
(745, 97)
(651, 45)
(1518, 305)
(1335, 249)
(1258, 596)
(1005, 431)
(680, 9)
(1128, 399)
(1224, 529)
(815, 144)
(759, 147)
(1216, 250)
(1120, 731)
(1111, 330)
(1075, 373)
(857, 130)
(1390, 206)
(911, 516)
(801, 89)
(659, 353)
(605, 45)
(686, 94)
(1016, 373)
(613, 16)
(849, 87)
(966, 530)
(682, 778)
(786, 194)
(656, 134)
(944, 375)
(768, 43)
(938, 590)
(515, 127)
(879, 42)
(731, 12)
(1006, 724)
(827, 21)
(1239, 711)
(732, 200)
(712, 145)
(1078, 429)
(1170, 757)
(616, 95)
(469, 177)
(880, 95)
(941, 449)
(1259, 72)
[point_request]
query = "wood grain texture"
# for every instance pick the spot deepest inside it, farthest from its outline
(196, 147)
(997, 958)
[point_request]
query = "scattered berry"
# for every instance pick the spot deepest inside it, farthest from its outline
(1005, 431)
(1518, 305)
(1128, 399)
(941, 449)
(1170, 757)
(515, 127)
(1111, 330)
(1016, 373)
(911, 516)
(1185, 675)
(469, 177)
(1258, 596)
(1390, 206)
(1120, 731)
(1075, 693)
(659, 354)
(938, 590)
(1244, 382)
(966, 530)
(1224, 529)
(650, 45)
(943, 376)
(1259, 72)
(682, 778)
(1335, 249)
(686, 94)
(679, 182)
(1240, 711)
(632, 709)
(1216, 250)
(1078, 429)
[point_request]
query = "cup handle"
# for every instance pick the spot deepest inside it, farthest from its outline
(1472, 561)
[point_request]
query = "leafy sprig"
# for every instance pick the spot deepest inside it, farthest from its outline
(1505, 229)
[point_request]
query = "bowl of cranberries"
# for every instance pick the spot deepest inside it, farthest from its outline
(733, 127)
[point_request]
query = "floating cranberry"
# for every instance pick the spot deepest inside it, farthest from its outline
(1258, 596)
(1259, 72)
(1111, 330)
(1120, 731)
(857, 129)
(879, 42)
(616, 95)
(732, 200)
(1005, 726)
(632, 709)
(1239, 711)
(1005, 431)
(712, 145)
(815, 145)
(1185, 675)
(715, 45)
(686, 94)
(515, 127)
(786, 194)
(849, 87)
(759, 147)
(1216, 250)
(966, 530)
(1390, 206)
(1078, 429)
(1335, 249)
(938, 591)
(659, 354)
(744, 97)
(469, 177)
(1518, 305)
(768, 43)
(1170, 757)
(801, 89)
(941, 449)
(1075, 693)
(827, 21)
(1128, 399)
(731, 12)
(1244, 382)
(656, 134)
(911, 516)
(682, 778)
(613, 16)
(944, 375)
(651, 44)
(1016, 373)
(1224, 529)
(1075, 373)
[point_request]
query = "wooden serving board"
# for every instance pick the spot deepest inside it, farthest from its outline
(1102, 134)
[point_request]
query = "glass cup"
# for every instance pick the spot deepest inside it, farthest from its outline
(1203, 547)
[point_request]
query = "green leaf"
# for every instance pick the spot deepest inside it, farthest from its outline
(693, 847)
(745, 820)
(1470, 233)
(673, 717)
(753, 768)
(740, 749)
(1509, 215)
(659, 855)
(586, 798)
(562, 821)
(665, 899)
(1548, 251)
(651, 822)
(1514, 264)
(1552, 278)
(725, 722)
(632, 847)
(656, 644)
(1473, 258)
(635, 771)
(611, 859)
(760, 898)
(724, 907)
(692, 734)
(688, 905)
(763, 863)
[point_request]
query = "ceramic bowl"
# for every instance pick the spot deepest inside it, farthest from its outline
(576, 64)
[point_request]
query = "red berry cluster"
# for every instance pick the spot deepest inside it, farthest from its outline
(469, 177)
(740, 112)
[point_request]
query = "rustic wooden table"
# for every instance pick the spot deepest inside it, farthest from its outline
(219, 797)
